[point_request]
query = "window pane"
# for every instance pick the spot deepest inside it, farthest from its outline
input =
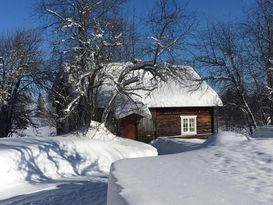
(192, 124)
(185, 125)
(188, 124)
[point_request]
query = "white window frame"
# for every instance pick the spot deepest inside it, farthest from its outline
(188, 117)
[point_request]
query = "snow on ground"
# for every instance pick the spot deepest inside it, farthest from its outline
(225, 138)
(169, 145)
(249, 163)
(69, 191)
(263, 132)
(227, 169)
(45, 169)
(73, 169)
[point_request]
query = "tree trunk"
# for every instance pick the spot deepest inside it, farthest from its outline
(6, 112)
(109, 107)
(252, 123)
(5, 122)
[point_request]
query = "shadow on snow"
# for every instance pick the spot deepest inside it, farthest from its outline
(93, 192)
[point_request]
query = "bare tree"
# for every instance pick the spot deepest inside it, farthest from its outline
(169, 27)
(41, 107)
(91, 33)
(20, 70)
(224, 56)
(258, 29)
(87, 35)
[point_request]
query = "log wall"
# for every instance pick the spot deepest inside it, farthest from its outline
(167, 122)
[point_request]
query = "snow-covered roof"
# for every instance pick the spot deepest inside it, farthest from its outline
(126, 107)
(185, 92)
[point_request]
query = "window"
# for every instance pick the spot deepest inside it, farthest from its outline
(188, 125)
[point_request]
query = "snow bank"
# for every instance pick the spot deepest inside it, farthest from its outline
(171, 179)
(224, 138)
(35, 159)
(169, 145)
(263, 132)
(227, 169)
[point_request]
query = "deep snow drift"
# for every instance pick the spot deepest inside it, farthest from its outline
(227, 169)
(31, 162)
(170, 145)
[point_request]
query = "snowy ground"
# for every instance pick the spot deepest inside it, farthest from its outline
(71, 169)
(248, 163)
(227, 169)
(169, 145)
(77, 190)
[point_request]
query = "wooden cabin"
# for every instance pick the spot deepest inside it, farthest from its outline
(173, 109)
(186, 122)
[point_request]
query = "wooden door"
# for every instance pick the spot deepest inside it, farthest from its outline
(129, 131)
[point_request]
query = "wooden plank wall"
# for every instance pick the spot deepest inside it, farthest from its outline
(146, 130)
(168, 122)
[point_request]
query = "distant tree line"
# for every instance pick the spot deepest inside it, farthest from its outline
(84, 36)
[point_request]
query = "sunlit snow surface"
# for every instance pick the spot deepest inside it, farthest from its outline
(248, 163)
(227, 169)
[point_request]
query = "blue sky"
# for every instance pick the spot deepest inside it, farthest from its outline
(205, 9)
(219, 9)
(18, 14)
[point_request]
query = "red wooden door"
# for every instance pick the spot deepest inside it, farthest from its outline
(129, 131)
